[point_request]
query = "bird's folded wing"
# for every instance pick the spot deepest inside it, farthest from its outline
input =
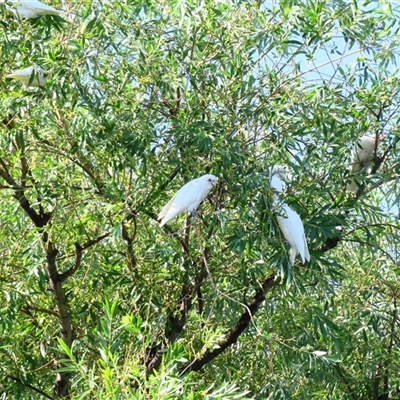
(188, 195)
(165, 209)
(183, 199)
(306, 251)
(39, 7)
(297, 234)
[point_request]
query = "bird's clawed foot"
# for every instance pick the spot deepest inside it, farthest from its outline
(194, 216)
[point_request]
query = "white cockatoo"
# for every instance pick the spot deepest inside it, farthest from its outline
(34, 9)
(188, 197)
(276, 183)
(25, 75)
(288, 220)
(361, 157)
(292, 228)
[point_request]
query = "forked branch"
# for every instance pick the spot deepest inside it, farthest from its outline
(79, 249)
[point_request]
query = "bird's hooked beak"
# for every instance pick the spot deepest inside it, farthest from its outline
(213, 181)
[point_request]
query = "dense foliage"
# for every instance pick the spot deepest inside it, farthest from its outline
(98, 301)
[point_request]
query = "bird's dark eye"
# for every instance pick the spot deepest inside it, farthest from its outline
(209, 179)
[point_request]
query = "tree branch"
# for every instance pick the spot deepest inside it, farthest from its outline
(129, 239)
(377, 379)
(331, 243)
(170, 230)
(389, 350)
(177, 317)
(236, 331)
(40, 220)
(171, 177)
(9, 122)
(94, 241)
(345, 381)
(380, 160)
(176, 323)
(35, 389)
(78, 255)
(6, 175)
(64, 319)
(80, 161)
(27, 310)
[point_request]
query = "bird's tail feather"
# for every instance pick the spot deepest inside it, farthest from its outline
(352, 187)
(292, 255)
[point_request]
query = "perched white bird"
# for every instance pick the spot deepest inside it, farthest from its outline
(288, 220)
(277, 173)
(34, 9)
(361, 157)
(293, 230)
(188, 197)
(24, 76)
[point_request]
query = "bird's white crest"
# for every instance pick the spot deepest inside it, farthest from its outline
(293, 230)
(25, 75)
(188, 197)
(277, 173)
(361, 157)
(34, 9)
